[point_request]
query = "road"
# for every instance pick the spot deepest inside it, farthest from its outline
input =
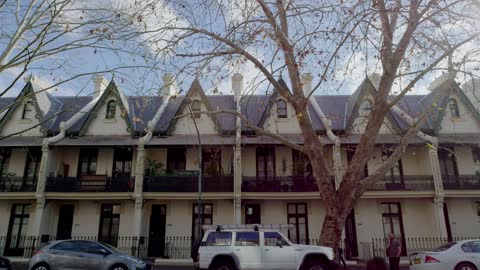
(24, 267)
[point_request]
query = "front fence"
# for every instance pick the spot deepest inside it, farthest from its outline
(172, 247)
(413, 244)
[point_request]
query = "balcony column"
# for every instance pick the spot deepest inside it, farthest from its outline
(237, 87)
(40, 191)
(439, 192)
(138, 190)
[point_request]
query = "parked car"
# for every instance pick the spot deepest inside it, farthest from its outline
(460, 255)
(83, 254)
(258, 248)
(5, 264)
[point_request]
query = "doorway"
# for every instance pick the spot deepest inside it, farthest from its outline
(393, 222)
(351, 246)
(447, 222)
(156, 239)
(298, 217)
(65, 222)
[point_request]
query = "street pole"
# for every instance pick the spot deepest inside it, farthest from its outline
(199, 204)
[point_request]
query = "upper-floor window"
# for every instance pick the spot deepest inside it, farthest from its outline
(27, 110)
(281, 108)
(453, 107)
(111, 109)
(196, 108)
(367, 106)
(396, 172)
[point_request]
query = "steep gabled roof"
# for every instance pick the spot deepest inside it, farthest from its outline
(124, 106)
(356, 100)
(47, 107)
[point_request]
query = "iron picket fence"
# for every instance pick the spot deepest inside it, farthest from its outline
(172, 247)
(414, 244)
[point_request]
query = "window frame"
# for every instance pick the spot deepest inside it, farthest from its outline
(464, 245)
(453, 108)
(266, 153)
(246, 233)
(111, 111)
(285, 242)
(230, 234)
(282, 109)
(196, 107)
(296, 215)
(90, 156)
(27, 109)
(390, 215)
(107, 214)
(256, 215)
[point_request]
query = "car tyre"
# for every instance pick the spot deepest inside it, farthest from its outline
(223, 265)
(314, 265)
(41, 266)
(465, 266)
(119, 267)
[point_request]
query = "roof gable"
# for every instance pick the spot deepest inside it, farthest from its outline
(97, 113)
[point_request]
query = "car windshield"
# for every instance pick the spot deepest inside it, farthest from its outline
(114, 249)
(445, 247)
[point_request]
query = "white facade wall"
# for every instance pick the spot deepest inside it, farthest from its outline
(102, 126)
(464, 220)
(17, 124)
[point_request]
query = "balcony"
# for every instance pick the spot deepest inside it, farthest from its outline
(187, 183)
(90, 183)
(409, 182)
(279, 184)
(18, 184)
(461, 182)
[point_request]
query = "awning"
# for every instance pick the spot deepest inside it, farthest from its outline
(97, 141)
(21, 141)
(210, 139)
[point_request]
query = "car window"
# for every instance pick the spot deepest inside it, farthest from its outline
(445, 247)
(247, 239)
(89, 247)
(66, 246)
(219, 239)
(471, 247)
(272, 237)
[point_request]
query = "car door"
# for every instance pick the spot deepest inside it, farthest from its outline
(65, 256)
(472, 252)
(248, 250)
(277, 252)
(93, 255)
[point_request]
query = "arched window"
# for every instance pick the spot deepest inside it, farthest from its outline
(111, 109)
(28, 110)
(453, 107)
(196, 108)
(281, 108)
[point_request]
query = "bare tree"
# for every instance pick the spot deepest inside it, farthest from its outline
(402, 40)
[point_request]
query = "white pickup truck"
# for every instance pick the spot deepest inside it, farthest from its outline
(258, 249)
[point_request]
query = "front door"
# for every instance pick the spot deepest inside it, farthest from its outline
(393, 222)
(65, 222)
(351, 247)
(277, 253)
(156, 240)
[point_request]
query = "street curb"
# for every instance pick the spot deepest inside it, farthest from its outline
(173, 262)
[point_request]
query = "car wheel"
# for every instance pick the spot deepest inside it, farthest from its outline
(118, 267)
(41, 266)
(223, 265)
(465, 266)
(314, 265)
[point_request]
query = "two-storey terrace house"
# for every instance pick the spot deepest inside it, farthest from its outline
(110, 165)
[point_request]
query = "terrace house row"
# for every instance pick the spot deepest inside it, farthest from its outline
(110, 165)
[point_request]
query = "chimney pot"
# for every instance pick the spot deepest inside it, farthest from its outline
(100, 83)
(169, 85)
(237, 85)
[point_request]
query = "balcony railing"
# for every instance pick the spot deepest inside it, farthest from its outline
(180, 183)
(18, 184)
(461, 182)
(90, 183)
(279, 184)
(408, 182)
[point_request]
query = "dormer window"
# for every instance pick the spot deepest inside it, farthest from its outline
(367, 106)
(196, 108)
(27, 110)
(111, 109)
(453, 107)
(281, 108)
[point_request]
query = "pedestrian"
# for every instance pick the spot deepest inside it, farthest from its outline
(394, 249)
(341, 260)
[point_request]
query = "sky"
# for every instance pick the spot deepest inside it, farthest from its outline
(140, 51)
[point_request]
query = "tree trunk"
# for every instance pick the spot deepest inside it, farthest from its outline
(333, 224)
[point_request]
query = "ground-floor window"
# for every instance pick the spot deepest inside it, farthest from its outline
(109, 223)
(252, 214)
(206, 218)
(298, 217)
(477, 205)
(17, 229)
(393, 222)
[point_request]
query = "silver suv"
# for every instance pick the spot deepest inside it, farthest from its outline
(258, 248)
(84, 255)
